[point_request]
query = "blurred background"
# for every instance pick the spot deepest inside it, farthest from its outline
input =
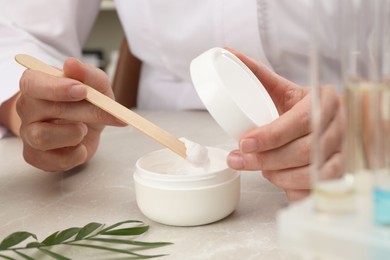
(103, 44)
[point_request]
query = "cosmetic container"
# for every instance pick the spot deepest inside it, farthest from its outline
(171, 191)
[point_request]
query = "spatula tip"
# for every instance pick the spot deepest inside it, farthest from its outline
(20, 58)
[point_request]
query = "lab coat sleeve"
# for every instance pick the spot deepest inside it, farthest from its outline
(49, 30)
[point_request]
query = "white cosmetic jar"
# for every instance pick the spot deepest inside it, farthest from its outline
(168, 194)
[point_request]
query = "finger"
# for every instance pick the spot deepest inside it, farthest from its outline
(234, 160)
(298, 152)
(293, 154)
(288, 127)
(331, 139)
(48, 136)
(39, 85)
(56, 160)
(292, 125)
(297, 195)
(332, 169)
(329, 105)
(290, 179)
(81, 111)
(283, 92)
(89, 75)
(300, 178)
(329, 130)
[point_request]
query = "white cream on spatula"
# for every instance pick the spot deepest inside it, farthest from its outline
(197, 155)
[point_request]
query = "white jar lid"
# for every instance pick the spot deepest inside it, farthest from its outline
(230, 91)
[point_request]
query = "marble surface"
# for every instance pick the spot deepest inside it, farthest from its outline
(102, 191)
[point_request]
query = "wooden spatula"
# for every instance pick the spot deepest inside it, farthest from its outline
(112, 107)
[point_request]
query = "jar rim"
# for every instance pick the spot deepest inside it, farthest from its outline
(217, 173)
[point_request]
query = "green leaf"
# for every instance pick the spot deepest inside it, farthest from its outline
(88, 229)
(34, 244)
(119, 224)
(131, 242)
(65, 235)
(88, 236)
(7, 257)
(117, 250)
(49, 240)
(15, 238)
(23, 255)
(54, 255)
(133, 231)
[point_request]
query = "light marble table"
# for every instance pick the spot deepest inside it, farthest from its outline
(102, 191)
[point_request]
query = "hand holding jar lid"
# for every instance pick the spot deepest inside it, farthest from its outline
(245, 98)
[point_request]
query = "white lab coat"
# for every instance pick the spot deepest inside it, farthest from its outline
(166, 35)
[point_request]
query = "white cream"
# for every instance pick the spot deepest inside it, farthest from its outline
(196, 154)
(179, 167)
(199, 160)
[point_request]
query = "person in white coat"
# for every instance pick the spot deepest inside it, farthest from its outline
(60, 131)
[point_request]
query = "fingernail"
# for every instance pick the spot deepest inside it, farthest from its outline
(78, 91)
(235, 161)
(249, 145)
(77, 60)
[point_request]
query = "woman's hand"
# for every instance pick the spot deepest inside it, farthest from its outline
(282, 149)
(59, 129)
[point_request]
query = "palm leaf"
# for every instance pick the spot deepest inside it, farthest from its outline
(117, 250)
(84, 237)
(15, 238)
(53, 254)
(34, 244)
(6, 257)
(131, 242)
(24, 255)
(88, 229)
(133, 231)
(65, 235)
(120, 224)
(50, 239)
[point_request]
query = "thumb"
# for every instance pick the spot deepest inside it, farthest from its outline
(284, 93)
